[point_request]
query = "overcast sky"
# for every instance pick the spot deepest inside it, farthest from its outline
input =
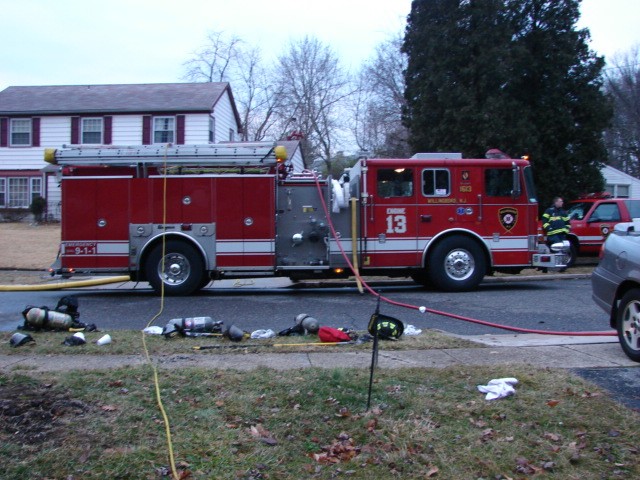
(70, 42)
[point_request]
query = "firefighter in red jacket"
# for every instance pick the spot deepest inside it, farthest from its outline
(555, 222)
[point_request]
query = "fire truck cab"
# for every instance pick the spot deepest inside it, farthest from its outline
(181, 216)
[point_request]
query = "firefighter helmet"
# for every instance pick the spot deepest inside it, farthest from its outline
(385, 327)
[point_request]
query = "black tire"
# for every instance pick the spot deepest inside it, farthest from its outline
(183, 268)
(628, 324)
(456, 264)
(421, 278)
(573, 255)
(206, 280)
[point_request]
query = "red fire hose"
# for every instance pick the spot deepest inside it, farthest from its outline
(423, 309)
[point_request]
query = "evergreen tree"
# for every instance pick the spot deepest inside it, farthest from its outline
(511, 74)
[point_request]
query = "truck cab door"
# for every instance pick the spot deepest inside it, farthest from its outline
(598, 224)
(391, 218)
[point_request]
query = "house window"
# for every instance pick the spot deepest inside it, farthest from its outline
(436, 182)
(92, 130)
(18, 194)
(164, 129)
(20, 132)
(231, 135)
(618, 191)
(36, 187)
(212, 130)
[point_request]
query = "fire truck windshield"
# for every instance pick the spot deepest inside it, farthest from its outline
(531, 187)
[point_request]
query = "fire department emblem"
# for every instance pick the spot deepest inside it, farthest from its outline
(465, 175)
(605, 230)
(508, 218)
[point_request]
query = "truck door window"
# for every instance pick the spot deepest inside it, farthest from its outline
(634, 208)
(498, 182)
(436, 182)
(396, 182)
(606, 212)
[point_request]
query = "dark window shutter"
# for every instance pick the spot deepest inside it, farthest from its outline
(35, 132)
(4, 132)
(180, 129)
(108, 122)
(75, 130)
(146, 130)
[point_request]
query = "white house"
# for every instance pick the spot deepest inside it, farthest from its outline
(35, 117)
(620, 184)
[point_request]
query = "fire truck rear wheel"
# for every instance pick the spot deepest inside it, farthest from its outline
(183, 270)
(456, 264)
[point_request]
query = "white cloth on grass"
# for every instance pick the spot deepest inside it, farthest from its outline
(263, 334)
(499, 388)
(411, 330)
(153, 330)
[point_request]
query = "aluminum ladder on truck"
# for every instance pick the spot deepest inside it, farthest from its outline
(233, 154)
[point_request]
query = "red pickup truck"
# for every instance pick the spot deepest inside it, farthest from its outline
(593, 217)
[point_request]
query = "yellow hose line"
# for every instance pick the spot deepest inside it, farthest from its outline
(152, 365)
(63, 285)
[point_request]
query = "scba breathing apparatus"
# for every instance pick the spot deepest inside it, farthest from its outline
(304, 324)
(63, 317)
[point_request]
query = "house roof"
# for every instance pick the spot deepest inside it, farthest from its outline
(631, 178)
(128, 98)
(292, 146)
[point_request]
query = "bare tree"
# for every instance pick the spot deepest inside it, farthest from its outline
(623, 86)
(379, 101)
(228, 59)
(211, 63)
(313, 87)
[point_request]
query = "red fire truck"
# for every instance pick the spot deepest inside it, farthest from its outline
(236, 210)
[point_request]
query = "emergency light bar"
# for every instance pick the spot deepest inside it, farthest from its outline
(214, 154)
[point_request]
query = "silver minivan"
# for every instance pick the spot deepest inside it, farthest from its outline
(616, 284)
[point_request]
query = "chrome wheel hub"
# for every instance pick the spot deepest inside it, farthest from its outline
(631, 325)
(459, 264)
(174, 269)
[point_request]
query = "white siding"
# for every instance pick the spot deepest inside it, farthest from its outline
(28, 158)
(126, 130)
(196, 129)
(614, 176)
(296, 161)
(55, 131)
(225, 119)
(54, 198)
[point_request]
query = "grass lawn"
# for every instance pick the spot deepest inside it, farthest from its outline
(128, 342)
(312, 423)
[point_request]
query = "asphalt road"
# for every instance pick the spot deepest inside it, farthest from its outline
(622, 383)
(559, 305)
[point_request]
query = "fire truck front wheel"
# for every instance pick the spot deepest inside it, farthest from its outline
(181, 269)
(456, 264)
(573, 254)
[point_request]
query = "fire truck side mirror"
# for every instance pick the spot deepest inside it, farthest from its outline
(516, 190)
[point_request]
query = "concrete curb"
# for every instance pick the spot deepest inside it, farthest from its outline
(594, 355)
